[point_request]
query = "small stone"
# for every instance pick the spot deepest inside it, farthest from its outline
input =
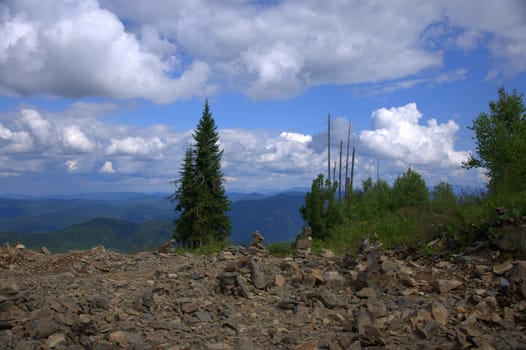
(56, 340)
(405, 270)
(316, 276)
(389, 266)
(408, 281)
(444, 286)
(328, 300)
(502, 268)
(334, 277)
(243, 287)
(10, 289)
(308, 345)
(217, 346)
(439, 313)
(428, 330)
(203, 316)
(327, 254)
(518, 274)
(280, 281)
(258, 278)
(366, 293)
(287, 303)
(45, 251)
(119, 338)
(189, 307)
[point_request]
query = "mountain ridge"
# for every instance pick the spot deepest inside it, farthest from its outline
(57, 221)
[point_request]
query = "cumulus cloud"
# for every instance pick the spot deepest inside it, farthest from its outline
(397, 135)
(59, 48)
(167, 52)
(15, 141)
(107, 168)
(136, 146)
(42, 130)
(252, 159)
(75, 141)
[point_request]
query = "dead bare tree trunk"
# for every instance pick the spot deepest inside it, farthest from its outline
(340, 173)
(347, 162)
(352, 168)
(329, 148)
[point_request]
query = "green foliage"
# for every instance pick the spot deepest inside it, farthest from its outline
(374, 200)
(200, 194)
(321, 211)
(409, 190)
(407, 214)
(281, 249)
(443, 200)
(500, 138)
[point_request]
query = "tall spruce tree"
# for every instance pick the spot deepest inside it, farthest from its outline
(200, 193)
(185, 196)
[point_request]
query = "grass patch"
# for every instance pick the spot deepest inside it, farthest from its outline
(281, 249)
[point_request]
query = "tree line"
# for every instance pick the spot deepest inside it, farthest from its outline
(408, 211)
(402, 213)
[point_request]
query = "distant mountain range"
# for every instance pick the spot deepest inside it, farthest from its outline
(129, 222)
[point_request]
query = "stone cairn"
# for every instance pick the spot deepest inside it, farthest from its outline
(232, 279)
(256, 247)
(304, 242)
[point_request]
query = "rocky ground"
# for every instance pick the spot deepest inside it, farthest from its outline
(98, 299)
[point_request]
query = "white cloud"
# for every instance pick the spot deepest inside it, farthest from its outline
(252, 159)
(42, 130)
(71, 165)
(136, 146)
(107, 168)
(129, 49)
(75, 141)
(397, 135)
(77, 48)
(15, 141)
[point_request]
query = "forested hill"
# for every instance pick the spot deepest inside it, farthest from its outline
(135, 222)
(116, 234)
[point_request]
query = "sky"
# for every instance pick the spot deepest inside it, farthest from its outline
(99, 96)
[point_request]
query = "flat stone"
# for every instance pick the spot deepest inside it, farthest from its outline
(439, 313)
(245, 292)
(218, 346)
(280, 281)
(502, 268)
(123, 338)
(518, 274)
(189, 307)
(444, 286)
(428, 330)
(366, 293)
(316, 275)
(203, 316)
(327, 254)
(334, 278)
(308, 345)
(258, 277)
(56, 340)
(389, 266)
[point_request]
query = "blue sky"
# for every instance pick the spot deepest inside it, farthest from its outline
(104, 95)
